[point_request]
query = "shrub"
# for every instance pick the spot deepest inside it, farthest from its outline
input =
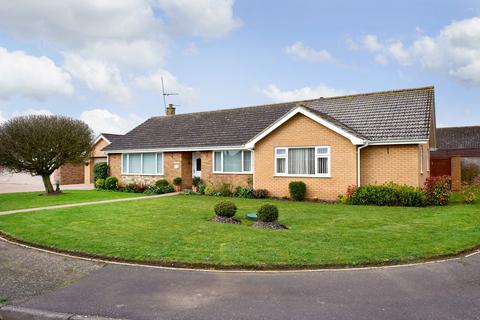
(161, 183)
(177, 181)
(297, 190)
(196, 181)
(468, 196)
(226, 209)
(201, 188)
(209, 190)
(470, 171)
(225, 190)
(100, 171)
(438, 190)
(342, 199)
(100, 184)
(242, 192)
(129, 187)
(111, 183)
(159, 190)
(388, 194)
(267, 213)
(260, 193)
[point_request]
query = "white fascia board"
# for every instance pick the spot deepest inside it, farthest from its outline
(392, 142)
(177, 149)
(354, 139)
(101, 137)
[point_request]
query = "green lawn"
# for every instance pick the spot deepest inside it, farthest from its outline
(177, 229)
(23, 200)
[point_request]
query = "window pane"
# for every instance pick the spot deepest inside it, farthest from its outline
(301, 161)
(232, 161)
(247, 161)
(149, 163)
(281, 165)
(322, 165)
(322, 150)
(134, 163)
(125, 162)
(281, 152)
(218, 161)
(160, 163)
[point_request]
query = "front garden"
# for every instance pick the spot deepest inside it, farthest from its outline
(178, 231)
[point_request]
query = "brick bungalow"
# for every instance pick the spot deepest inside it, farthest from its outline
(456, 148)
(329, 143)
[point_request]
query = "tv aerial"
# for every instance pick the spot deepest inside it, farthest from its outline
(166, 94)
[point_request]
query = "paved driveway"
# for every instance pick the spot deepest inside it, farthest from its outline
(23, 182)
(448, 290)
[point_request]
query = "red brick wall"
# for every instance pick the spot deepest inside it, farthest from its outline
(71, 174)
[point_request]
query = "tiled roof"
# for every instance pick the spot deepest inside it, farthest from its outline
(458, 138)
(388, 115)
(112, 137)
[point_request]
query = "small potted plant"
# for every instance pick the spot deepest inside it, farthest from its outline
(196, 182)
(177, 182)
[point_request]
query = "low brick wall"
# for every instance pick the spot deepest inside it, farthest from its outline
(71, 174)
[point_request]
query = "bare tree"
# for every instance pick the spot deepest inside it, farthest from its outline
(40, 144)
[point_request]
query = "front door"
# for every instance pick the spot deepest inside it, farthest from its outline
(196, 165)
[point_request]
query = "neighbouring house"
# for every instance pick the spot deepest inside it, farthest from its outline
(457, 154)
(329, 143)
(83, 174)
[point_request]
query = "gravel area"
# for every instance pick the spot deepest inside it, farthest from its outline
(225, 220)
(26, 273)
(269, 225)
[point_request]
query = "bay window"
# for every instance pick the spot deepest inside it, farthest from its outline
(302, 161)
(232, 161)
(150, 163)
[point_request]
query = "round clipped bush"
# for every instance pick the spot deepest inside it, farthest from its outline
(225, 209)
(177, 181)
(196, 181)
(111, 183)
(297, 190)
(267, 213)
(161, 183)
(100, 184)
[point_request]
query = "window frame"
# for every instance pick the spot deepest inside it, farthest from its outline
(242, 160)
(328, 155)
(421, 158)
(141, 173)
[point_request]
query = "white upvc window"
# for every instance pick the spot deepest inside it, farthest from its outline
(148, 163)
(232, 161)
(302, 161)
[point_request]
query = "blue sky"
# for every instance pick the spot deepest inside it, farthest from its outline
(101, 61)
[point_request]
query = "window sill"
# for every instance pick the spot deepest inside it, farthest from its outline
(302, 176)
(215, 172)
(142, 174)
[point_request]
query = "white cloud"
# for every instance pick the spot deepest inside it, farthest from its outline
(205, 18)
(191, 49)
(381, 59)
(31, 76)
(454, 51)
(104, 121)
(99, 76)
(278, 95)
(153, 82)
(371, 43)
(301, 52)
(352, 44)
(142, 53)
(77, 23)
(31, 111)
(2, 118)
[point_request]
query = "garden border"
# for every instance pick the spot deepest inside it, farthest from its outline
(204, 267)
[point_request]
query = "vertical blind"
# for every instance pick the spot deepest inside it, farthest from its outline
(302, 161)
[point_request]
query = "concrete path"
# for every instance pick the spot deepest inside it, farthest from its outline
(23, 182)
(446, 290)
(2, 213)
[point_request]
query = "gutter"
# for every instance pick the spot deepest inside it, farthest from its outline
(358, 162)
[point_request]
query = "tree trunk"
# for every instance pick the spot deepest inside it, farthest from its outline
(48, 184)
